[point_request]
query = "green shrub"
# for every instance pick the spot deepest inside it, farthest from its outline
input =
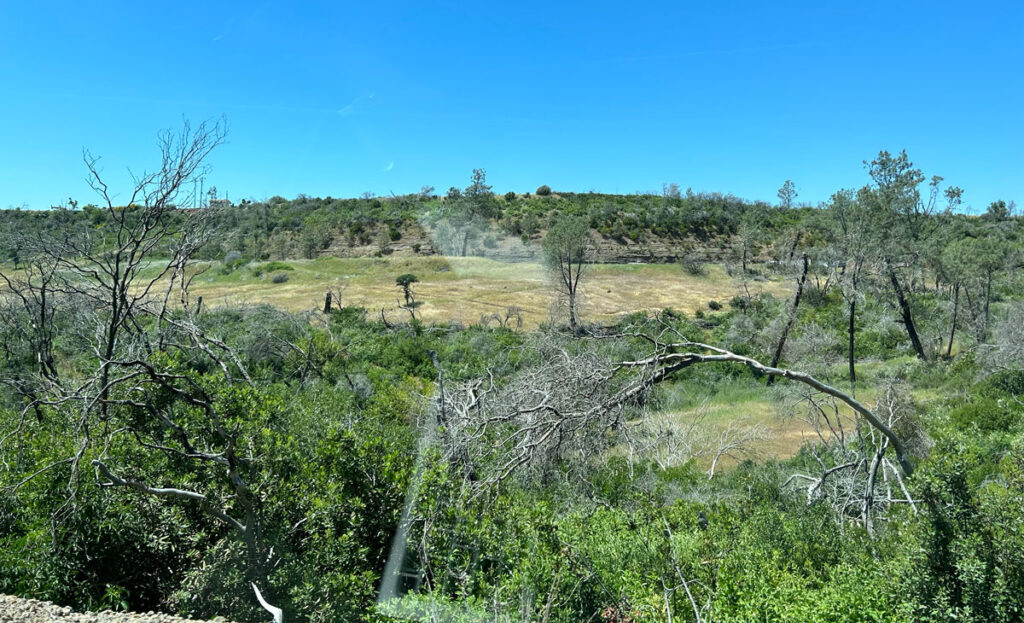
(1006, 383)
(544, 190)
(275, 266)
(692, 264)
(986, 414)
(232, 261)
(281, 277)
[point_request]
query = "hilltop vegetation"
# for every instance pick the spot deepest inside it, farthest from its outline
(307, 227)
(392, 465)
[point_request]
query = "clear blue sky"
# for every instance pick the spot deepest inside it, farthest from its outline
(338, 98)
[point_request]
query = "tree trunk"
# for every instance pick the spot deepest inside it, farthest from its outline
(908, 317)
(792, 318)
(572, 311)
(988, 297)
(465, 242)
(952, 327)
(869, 490)
(796, 241)
(853, 370)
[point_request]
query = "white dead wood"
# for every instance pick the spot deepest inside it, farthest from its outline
(275, 612)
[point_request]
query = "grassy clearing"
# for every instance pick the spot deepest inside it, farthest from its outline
(751, 403)
(464, 289)
(748, 403)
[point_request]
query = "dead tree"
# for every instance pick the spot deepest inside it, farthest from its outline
(667, 360)
(30, 306)
(906, 314)
(850, 471)
(563, 409)
(33, 293)
(564, 253)
(133, 275)
(777, 356)
(670, 439)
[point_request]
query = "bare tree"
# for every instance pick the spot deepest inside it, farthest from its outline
(133, 276)
(512, 318)
(850, 471)
(564, 408)
(852, 231)
(1006, 350)
(671, 439)
(565, 250)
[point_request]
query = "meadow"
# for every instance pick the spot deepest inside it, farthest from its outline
(464, 289)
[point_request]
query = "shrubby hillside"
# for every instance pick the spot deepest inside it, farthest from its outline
(159, 453)
(307, 227)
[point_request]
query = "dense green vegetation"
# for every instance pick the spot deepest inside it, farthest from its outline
(279, 228)
(166, 455)
(333, 447)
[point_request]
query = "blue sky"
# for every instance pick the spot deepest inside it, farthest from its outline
(337, 98)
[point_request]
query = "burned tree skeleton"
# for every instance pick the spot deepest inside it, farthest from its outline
(854, 476)
(136, 311)
(562, 409)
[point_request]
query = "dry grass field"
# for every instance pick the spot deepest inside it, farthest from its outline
(464, 289)
(467, 289)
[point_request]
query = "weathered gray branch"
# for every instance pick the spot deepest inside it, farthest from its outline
(166, 492)
(672, 361)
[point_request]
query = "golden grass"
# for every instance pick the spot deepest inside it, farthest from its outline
(753, 404)
(464, 289)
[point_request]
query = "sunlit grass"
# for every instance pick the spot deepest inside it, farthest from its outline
(465, 289)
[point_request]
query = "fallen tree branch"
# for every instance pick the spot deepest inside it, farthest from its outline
(166, 492)
(672, 361)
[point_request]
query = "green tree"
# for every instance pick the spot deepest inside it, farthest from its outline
(900, 223)
(997, 211)
(787, 194)
(405, 282)
(471, 211)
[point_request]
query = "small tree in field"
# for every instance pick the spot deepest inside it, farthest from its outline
(405, 282)
(564, 250)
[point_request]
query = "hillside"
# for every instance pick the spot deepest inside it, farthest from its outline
(562, 408)
(627, 228)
